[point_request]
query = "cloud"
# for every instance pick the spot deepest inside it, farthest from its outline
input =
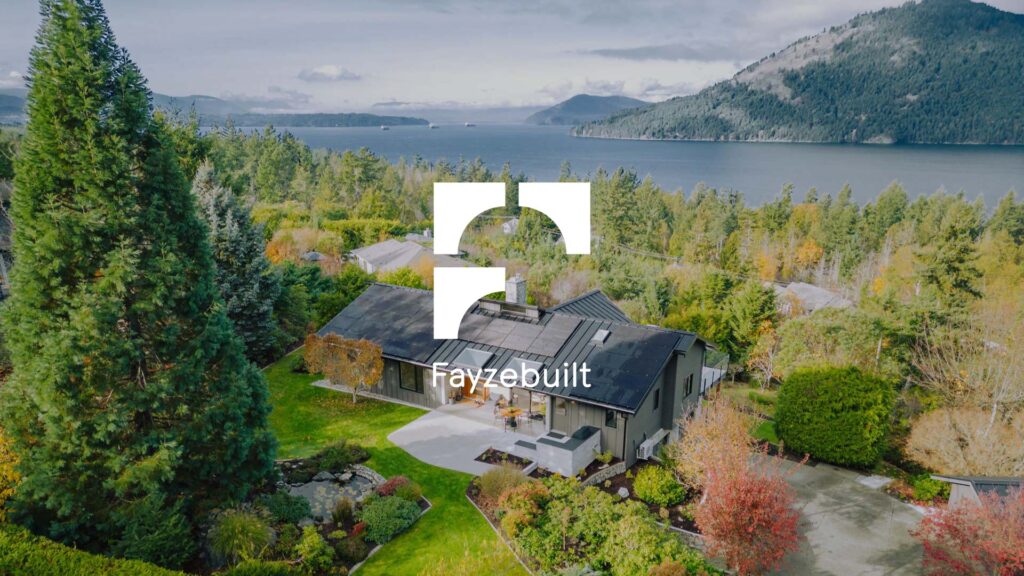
(328, 73)
(11, 79)
(699, 52)
(656, 91)
(276, 99)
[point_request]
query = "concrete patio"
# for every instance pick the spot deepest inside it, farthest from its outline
(453, 436)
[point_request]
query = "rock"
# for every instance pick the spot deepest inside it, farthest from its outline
(345, 477)
(623, 493)
(323, 476)
(305, 522)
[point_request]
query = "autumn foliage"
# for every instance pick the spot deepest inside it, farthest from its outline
(976, 539)
(746, 513)
(352, 363)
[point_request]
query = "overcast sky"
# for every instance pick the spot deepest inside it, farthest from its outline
(331, 55)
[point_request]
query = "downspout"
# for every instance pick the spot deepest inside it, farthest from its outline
(625, 435)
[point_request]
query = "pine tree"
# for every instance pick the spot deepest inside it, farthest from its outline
(949, 272)
(247, 285)
(128, 382)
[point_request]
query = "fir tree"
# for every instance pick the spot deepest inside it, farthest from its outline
(128, 383)
(949, 272)
(247, 285)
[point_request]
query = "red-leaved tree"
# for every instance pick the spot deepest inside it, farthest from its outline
(976, 539)
(747, 515)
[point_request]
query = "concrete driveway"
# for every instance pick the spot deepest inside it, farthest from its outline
(851, 527)
(453, 436)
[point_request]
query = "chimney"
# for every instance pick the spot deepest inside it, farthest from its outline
(515, 290)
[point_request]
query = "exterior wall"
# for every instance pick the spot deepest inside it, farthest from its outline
(647, 420)
(565, 461)
(683, 368)
(578, 414)
(390, 385)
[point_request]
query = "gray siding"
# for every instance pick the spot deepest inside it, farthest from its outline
(391, 384)
(577, 414)
(647, 421)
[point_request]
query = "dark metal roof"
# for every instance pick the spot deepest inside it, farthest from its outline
(999, 485)
(593, 304)
(623, 368)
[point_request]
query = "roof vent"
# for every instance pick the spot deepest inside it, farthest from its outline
(600, 336)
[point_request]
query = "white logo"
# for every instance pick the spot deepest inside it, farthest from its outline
(455, 206)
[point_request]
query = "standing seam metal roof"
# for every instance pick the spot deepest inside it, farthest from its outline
(623, 368)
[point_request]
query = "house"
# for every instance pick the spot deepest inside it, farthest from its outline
(392, 254)
(802, 298)
(968, 488)
(642, 379)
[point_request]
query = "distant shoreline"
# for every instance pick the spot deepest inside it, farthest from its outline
(784, 141)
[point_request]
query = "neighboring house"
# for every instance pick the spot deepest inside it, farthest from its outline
(313, 256)
(392, 254)
(802, 298)
(968, 488)
(643, 379)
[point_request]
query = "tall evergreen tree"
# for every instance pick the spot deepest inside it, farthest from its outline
(129, 385)
(248, 286)
(949, 272)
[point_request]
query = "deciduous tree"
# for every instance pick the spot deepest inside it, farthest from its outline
(353, 363)
(983, 538)
(747, 515)
(717, 435)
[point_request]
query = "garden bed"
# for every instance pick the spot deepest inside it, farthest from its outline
(591, 469)
(680, 516)
(498, 457)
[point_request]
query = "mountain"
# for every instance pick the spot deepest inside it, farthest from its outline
(317, 120)
(935, 71)
(215, 112)
(583, 108)
(456, 113)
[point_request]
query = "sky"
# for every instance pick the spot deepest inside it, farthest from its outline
(343, 55)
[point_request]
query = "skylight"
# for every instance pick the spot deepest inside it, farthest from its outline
(472, 358)
(600, 336)
(521, 365)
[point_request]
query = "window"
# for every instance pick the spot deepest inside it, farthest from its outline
(609, 418)
(410, 379)
(657, 398)
(689, 384)
(560, 406)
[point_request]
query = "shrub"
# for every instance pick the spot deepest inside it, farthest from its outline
(337, 535)
(387, 516)
(284, 546)
(352, 549)
(657, 485)
(388, 487)
(286, 508)
(263, 568)
(239, 535)
(315, 555)
(669, 568)
(499, 480)
(344, 510)
(984, 537)
(411, 492)
(340, 455)
(838, 415)
(926, 489)
(298, 364)
(604, 457)
(155, 533)
(21, 552)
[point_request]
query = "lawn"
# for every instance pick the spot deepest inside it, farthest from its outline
(306, 418)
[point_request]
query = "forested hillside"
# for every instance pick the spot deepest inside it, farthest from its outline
(937, 71)
(583, 108)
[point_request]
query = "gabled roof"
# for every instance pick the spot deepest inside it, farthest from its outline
(391, 254)
(623, 368)
(999, 485)
(593, 304)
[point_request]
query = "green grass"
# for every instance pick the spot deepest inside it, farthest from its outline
(306, 418)
(765, 431)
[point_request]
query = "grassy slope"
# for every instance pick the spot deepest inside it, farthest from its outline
(306, 418)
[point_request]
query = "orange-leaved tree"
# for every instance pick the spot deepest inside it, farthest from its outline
(353, 363)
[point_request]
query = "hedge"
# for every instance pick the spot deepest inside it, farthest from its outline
(21, 552)
(837, 415)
